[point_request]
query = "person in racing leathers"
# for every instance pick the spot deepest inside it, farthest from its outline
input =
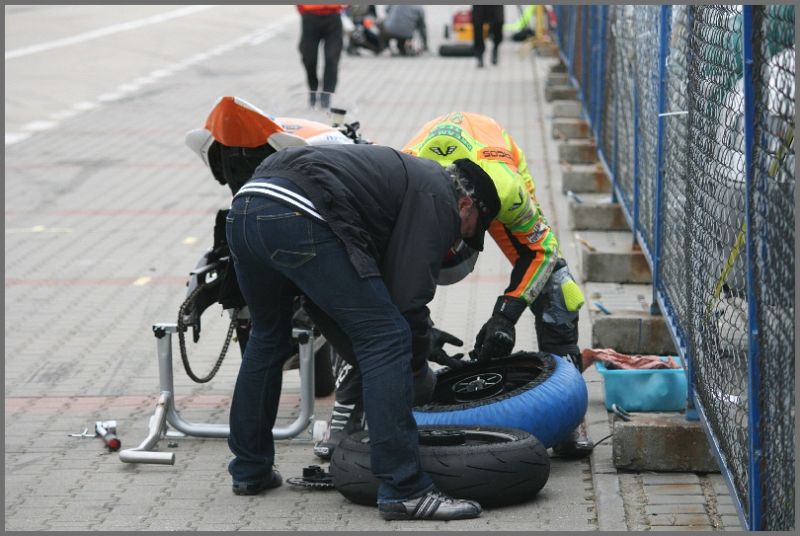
(540, 279)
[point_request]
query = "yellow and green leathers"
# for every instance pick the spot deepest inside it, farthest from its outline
(520, 229)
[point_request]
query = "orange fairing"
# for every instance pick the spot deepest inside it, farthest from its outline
(304, 128)
(236, 123)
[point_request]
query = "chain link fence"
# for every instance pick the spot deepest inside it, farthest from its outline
(772, 232)
(696, 129)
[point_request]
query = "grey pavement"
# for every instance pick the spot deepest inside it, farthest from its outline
(106, 211)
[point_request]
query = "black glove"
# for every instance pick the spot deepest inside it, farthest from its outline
(496, 337)
(437, 354)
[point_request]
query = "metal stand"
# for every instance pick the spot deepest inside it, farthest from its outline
(165, 412)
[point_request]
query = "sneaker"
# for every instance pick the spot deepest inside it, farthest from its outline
(345, 420)
(576, 447)
(433, 505)
(254, 488)
(324, 449)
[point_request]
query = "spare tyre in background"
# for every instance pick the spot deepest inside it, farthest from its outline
(457, 50)
(540, 393)
(494, 466)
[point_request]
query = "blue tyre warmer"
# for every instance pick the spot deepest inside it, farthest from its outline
(548, 408)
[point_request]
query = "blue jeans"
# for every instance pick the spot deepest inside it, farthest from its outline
(277, 251)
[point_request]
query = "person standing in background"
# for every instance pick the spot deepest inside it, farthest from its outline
(493, 15)
(321, 22)
(400, 23)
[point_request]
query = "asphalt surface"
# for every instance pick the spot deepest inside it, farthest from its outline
(106, 212)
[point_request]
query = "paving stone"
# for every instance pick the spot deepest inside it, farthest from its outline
(651, 479)
(675, 508)
(731, 522)
(676, 499)
(130, 197)
(724, 508)
(673, 489)
(678, 519)
(680, 528)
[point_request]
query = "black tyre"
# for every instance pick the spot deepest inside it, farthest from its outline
(324, 382)
(461, 50)
(540, 393)
(494, 466)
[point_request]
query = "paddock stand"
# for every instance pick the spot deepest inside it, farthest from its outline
(166, 413)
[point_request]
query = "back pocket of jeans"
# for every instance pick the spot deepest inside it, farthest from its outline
(289, 241)
(290, 259)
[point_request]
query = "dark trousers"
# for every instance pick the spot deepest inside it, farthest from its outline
(315, 29)
(486, 14)
(276, 252)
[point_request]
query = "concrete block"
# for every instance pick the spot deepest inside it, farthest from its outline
(571, 129)
(632, 332)
(586, 213)
(546, 50)
(565, 92)
(557, 79)
(611, 256)
(578, 152)
(662, 442)
(566, 109)
(585, 179)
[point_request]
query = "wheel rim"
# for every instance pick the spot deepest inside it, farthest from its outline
(482, 381)
(478, 386)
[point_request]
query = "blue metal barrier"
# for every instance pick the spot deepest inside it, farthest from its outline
(726, 29)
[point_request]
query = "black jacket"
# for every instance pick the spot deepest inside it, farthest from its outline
(396, 214)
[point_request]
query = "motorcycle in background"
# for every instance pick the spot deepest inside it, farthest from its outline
(236, 138)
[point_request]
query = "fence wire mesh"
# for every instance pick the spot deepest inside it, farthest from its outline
(717, 256)
(646, 31)
(623, 68)
(726, 256)
(772, 232)
(607, 141)
(673, 267)
(577, 57)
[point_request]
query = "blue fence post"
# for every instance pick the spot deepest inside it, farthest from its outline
(754, 357)
(584, 55)
(571, 43)
(692, 414)
(615, 137)
(593, 68)
(635, 215)
(663, 51)
(601, 77)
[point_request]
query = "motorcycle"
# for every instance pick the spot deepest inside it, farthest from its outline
(235, 139)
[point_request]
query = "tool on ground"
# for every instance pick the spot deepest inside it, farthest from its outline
(313, 477)
(620, 412)
(107, 430)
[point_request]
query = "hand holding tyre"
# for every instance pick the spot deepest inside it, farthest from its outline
(438, 339)
(497, 336)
